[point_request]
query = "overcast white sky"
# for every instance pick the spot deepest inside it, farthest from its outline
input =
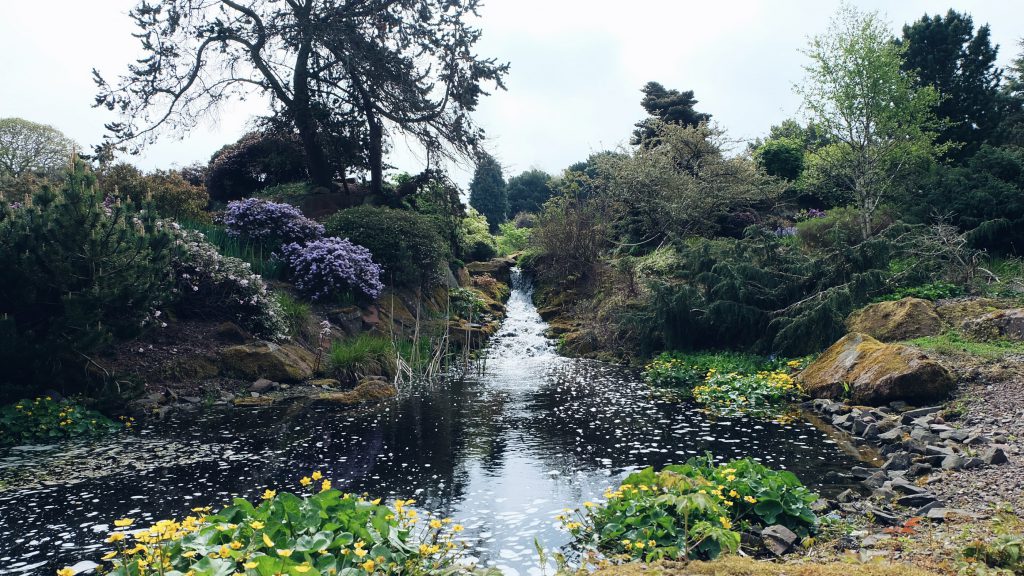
(577, 68)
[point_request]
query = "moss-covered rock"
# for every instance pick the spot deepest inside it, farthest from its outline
(865, 371)
(899, 320)
(955, 312)
(368, 390)
(499, 268)
(996, 325)
(193, 367)
(278, 362)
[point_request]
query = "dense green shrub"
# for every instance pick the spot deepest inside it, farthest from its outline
(512, 238)
(319, 532)
(405, 243)
(684, 371)
(694, 510)
(45, 420)
(929, 291)
(258, 160)
(475, 238)
(77, 273)
(839, 227)
(173, 196)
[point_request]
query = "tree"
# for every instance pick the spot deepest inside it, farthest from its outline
(528, 191)
(946, 53)
(335, 70)
(882, 126)
(666, 106)
(258, 160)
(488, 193)
(29, 147)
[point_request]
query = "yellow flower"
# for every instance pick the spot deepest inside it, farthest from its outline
(109, 555)
(435, 523)
(189, 554)
(458, 528)
(359, 552)
(284, 553)
(368, 565)
(267, 540)
(317, 475)
(588, 504)
(639, 545)
(115, 537)
(66, 572)
(305, 481)
(268, 494)
(325, 486)
(250, 565)
(734, 494)
(235, 544)
(256, 525)
(750, 499)
(725, 522)
(376, 502)
(651, 543)
(303, 568)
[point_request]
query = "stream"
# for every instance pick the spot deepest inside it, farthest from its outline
(502, 451)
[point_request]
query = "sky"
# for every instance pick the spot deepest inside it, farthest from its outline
(577, 67)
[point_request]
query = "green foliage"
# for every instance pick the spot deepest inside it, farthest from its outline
(512, 239)
(1000, 555)
(931, 291)
(364, 355)
(954, 343)
(77, 274)
(298, 317)
(946, 54)
(694, 510)
(528, 191)
(257, 161)
(31, 148)
(685, 371)
(666, 107)
(320, 532)
(881, 126)
(763, 394)
(488, 193)
(839, 227)
(475, 238)
(260, 257)
(405, 243)
(45, 420)
(782, 157)
(171, 194)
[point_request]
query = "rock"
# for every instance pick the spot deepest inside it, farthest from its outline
(499, 268)
(952, 462)
(778, 539)
(873, 373)
(976, 440)
(904, 487)
(253, 402)
(465, 280)
(847, 496)
(873, 539)
(915, 446)
(972, 463)
(876, 480)
(279, 362)
(955, 435)
(192, 367)
(919, 469)
(368, 390)
(324, 382)
(937, 513)
(900, 320)
(231, 333)
(349, 319)
(933, 450)
(262, 385)
(994, 456)
(883, 517)
(916, 500)
(861, 473)
(898, 461)
(894, 435)
(911, 415)
(996, 325)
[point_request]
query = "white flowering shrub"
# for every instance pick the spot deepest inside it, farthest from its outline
(207, 283)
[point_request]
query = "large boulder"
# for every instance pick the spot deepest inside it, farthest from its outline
(996, 325)
(277, 362)
(499, 268)
(899, 320)
(866, 371)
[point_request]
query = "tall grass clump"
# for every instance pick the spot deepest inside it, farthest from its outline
(364, 355)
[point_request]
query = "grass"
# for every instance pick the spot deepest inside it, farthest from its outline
(364, 355)
(298, 316)
(257, 255)
(954, 343)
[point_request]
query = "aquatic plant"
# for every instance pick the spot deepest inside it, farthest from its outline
(321, 531)
(685, 371)
(763, 393)
(269, 222)
(689, 511)
(328, 268)
(44, 419)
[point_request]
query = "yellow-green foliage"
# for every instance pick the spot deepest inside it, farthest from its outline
(954, 343)
(742, 566)
(364, 355)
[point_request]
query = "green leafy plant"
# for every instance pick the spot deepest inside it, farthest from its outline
(512, 239)
(364, 355)
(685, 371)
(998, 555)
(44, 419)
(319, 532)
(694, 510)
(931, 291)
(298, 317)
(764, 393)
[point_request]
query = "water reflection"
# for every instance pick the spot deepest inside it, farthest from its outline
(503, 451)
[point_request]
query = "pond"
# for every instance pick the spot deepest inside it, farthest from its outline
(503, 451)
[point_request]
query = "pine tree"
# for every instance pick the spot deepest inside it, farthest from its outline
(488, 192)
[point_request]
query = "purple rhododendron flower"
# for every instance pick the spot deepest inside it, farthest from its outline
(323, 269)
(268, 221)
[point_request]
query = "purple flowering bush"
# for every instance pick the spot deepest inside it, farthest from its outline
(208, 283)
(327, 268)
(271, 223)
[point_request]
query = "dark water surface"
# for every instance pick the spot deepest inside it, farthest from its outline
(503, 452)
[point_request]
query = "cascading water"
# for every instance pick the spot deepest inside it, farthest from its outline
(503, 452)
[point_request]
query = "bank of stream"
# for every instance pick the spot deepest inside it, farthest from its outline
(502, 450)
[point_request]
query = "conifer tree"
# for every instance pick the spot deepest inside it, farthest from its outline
(488, 192)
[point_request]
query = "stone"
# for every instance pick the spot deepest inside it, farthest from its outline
(898, 461)
(778, 539)
(262, 385)
(904, 487)
(924, 436)
(876, 480)
(349, 319)
(861, 473)
(955, 435)
(873, 373)
(894, 435)
(192, 367)
(324, 382)
(911, 415)
(883, 517)
(934, 450)
(847, 495)
(923, 510)
(231, 333)
(952, 462)
(972, 463)
(278, 362)
(1000, 324)
(916, 500)
(976, 440)
(368, 390)
(899, 320)
(919, 469)
(915, 446)
(499, 268)
(994, 456)
(873, 539)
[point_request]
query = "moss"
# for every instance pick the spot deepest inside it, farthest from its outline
(955, 344)
(366, 391)
(899, 320)
(741, 566)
